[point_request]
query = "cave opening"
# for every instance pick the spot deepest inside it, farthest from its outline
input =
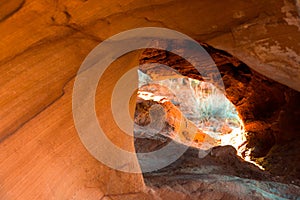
(243, 133)
(201, 103)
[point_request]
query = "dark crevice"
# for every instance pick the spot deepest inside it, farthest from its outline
(13, 12)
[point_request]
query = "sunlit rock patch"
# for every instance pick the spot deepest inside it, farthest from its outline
(157, 117)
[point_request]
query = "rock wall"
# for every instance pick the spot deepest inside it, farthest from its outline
(43, 43)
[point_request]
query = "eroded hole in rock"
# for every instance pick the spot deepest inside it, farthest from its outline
(189, 111)
(255, 122)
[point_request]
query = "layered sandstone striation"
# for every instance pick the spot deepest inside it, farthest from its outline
(44, 42)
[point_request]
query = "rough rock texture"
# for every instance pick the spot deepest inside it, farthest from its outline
(268, 42)
(220, 175)
(226, 187)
